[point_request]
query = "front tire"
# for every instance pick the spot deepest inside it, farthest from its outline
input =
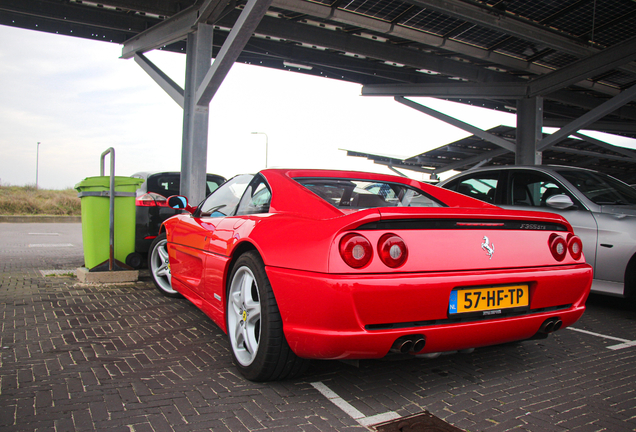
(254, 325)
(159, 266)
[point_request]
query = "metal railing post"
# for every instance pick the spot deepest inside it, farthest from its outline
(111, 215)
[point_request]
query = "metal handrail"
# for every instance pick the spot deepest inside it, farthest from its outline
(111, 212)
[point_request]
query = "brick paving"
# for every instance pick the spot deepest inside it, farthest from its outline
(77, 357)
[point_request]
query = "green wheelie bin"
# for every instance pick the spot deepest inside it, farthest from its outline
(95, 199)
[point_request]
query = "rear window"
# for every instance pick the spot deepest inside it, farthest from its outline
(361, 194)
(168, 184)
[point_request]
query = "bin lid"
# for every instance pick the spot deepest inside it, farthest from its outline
(104, 181)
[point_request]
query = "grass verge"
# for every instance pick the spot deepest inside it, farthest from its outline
(27, 200)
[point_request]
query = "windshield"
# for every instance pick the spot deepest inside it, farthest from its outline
(360, 194)
(600, 188)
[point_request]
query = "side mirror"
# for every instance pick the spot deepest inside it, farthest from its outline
(177, 202)
(559, 202)
(180, 202)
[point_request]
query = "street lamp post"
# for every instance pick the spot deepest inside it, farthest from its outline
(266, 144)
(37, 164)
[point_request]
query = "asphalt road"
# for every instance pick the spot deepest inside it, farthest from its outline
(96, 357)
(40, 245)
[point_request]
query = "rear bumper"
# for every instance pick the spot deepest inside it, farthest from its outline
(355, 317)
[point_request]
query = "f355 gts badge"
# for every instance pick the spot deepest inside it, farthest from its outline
(488, 247)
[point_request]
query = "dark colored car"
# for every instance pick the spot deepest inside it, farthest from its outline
(152, 207)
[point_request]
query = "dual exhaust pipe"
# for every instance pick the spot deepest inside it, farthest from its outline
(550, 325)
(408, 344)
(415, 343)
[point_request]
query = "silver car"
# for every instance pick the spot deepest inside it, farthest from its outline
(601, 209)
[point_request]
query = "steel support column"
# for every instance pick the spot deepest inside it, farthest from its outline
(202, 78)
(529, 126)
(194, 153)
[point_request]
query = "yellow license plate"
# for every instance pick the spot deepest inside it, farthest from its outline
(488, 300)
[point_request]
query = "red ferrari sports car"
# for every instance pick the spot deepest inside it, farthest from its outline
(313, 264)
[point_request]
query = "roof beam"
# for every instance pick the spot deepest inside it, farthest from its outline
(596, 64)
(472, 160)
(588, 118)
(389, 161)
(459, 90)
(346, 42)
(327, 59)
(587, 102)
(165, 82)
(588, 153)
(507, 24)
(494, 139)
(510, 25)
(241, 32)
(392, 168)
(166, 32)
(211, 10)
(159, 7)
(610, 127)
(607, 146)
(599, 63)
(391, 165)
(66, 14)
(174, 29)
(372, 24)
(375, 25)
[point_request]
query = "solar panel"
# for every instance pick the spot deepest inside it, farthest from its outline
(431, 22)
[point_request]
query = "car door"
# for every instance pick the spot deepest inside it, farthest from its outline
(247, 198)
(202, 243)
(217, 214)
(615, 214)
(530, 190)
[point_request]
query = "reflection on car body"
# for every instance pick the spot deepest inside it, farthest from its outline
(313, 264)
(601, 209)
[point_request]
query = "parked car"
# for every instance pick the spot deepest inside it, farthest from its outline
(600, 208)
(314, 264)
(152, 208)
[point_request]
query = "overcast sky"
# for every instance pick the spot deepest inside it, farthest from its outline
(78, 98)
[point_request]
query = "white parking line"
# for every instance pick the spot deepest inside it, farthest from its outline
(351, 410)
(625, 342)
(50, 245)
(45, 234)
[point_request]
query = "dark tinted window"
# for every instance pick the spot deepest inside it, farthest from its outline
(256, 198)
(600, 188)
(529, 188)
(170, 184)
(481, 186)
(164, 184)
(360, 194)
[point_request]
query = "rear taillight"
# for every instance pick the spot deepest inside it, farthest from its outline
(356, 250)
(151, 199)
(392, 250)
(575, 246)
(558, 247)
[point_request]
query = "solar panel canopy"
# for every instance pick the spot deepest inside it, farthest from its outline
(574, 54)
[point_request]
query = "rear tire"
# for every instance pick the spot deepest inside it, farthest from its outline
(159, 266)
(254, 325)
